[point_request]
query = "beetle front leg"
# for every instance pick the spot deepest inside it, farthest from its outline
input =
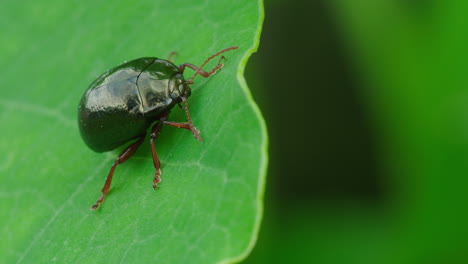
(155, 131)
(185, 125)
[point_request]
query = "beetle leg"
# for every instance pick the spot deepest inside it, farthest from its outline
(155, 131)
(127, 153)
(171, 56)
(185, 125)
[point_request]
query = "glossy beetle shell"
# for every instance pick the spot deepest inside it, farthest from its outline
(121, 104)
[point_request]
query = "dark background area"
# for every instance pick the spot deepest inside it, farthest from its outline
(319, 128)
(322, 151)
(338, 190)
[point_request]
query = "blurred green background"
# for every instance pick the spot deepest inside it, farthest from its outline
(366, 104)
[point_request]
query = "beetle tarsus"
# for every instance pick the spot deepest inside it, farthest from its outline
(95, 206)
(157, 178)
(99, 201)
(196, 133)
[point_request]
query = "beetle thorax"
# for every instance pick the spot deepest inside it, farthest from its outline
(160, 95)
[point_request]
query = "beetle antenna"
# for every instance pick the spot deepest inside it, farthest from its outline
(197, 72)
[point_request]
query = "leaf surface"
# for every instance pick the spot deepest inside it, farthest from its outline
(209, 204)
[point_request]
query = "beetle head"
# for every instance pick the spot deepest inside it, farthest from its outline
(181, 88)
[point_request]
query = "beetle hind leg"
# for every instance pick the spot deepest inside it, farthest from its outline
(127, 153)
(171, 56)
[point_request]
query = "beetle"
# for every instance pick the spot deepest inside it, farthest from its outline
(121, 104)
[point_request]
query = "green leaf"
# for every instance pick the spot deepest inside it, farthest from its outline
(209, 204)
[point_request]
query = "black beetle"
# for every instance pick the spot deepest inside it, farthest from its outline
(121, 105)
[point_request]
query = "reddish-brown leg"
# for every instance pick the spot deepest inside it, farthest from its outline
(155, 131)
(127, 153)
(185, 125)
